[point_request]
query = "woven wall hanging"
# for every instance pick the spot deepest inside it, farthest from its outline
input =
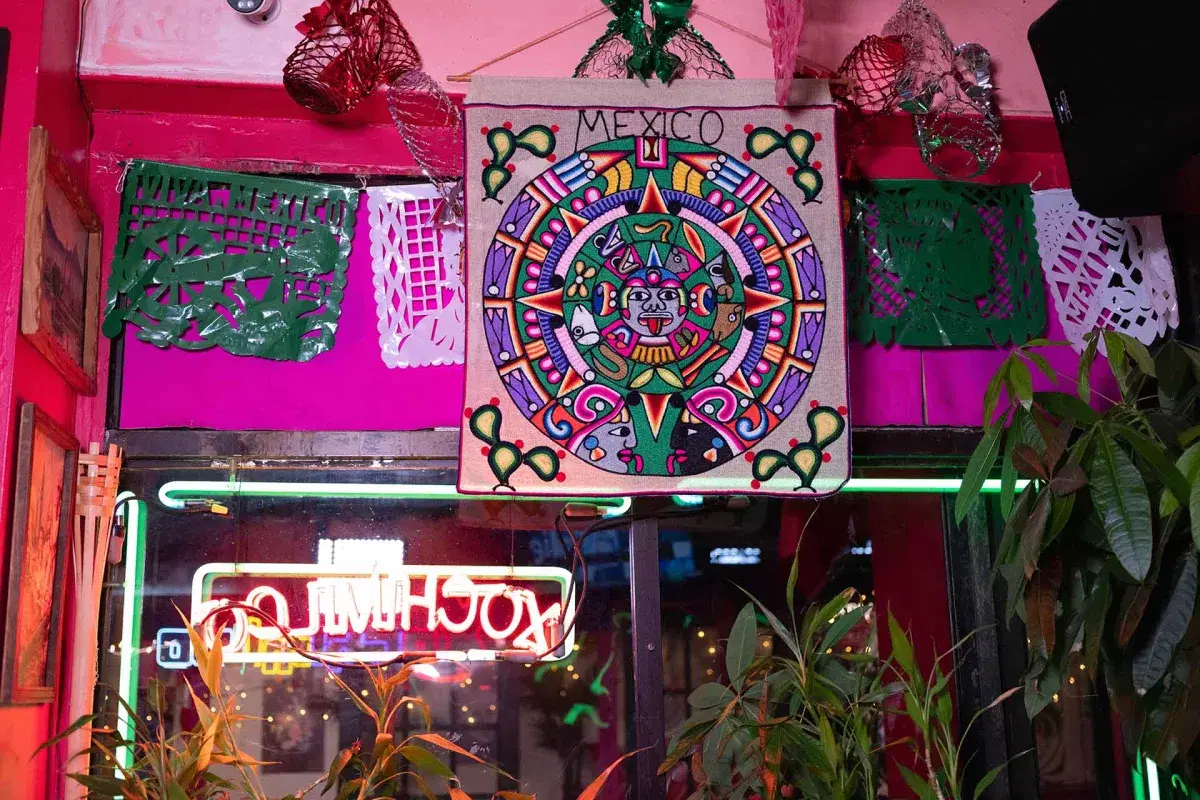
(418, 283)
(1105, 273)
(253, 265)
(655, 290)
(938, 264)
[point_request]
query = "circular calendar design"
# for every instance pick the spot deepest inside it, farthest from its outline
(663, 309)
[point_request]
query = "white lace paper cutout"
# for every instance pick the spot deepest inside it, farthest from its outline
(419, 292)
(1105, 273)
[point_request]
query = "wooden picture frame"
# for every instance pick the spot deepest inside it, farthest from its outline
(60, 288)
(37, 560)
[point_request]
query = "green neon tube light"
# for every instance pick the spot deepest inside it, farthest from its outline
(134, 514)
(173, 494)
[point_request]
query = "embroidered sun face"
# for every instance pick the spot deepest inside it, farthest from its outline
(668, 312)
(653, 302)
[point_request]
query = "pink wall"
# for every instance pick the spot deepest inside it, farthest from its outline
(42, 90)
(207, 41)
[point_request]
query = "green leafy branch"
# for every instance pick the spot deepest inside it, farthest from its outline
(1099, 549)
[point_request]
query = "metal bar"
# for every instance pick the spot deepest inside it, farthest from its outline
(902, 447)
(646, 606)
(973, 610)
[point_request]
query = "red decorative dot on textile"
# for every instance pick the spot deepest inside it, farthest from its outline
(826, 457)
(842, 410)
(749, 456)
(561, 477)
(485, 450)
(350, 47)
(511, 167)
(554, 129)
(816, 165)
(495, 401)
(745, 155)
(467, 412)
(817, 136)
(791, 170)
(755, 484)
(813, 404)
(562, 453)
(789, 127)
(508, 125)
(552, 158)
(519, 444)
(793, 442)
(487, 161)
(748, 127)
(484, 130)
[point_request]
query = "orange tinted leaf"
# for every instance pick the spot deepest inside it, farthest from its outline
(593, 789)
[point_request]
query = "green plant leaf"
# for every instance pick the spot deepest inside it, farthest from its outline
(1068, 407)
(1114, 348)
(842, 626)
(1138, 352)
(425, 761)
(988, 779)
(1021, 381)
(1084, 387)
(1189, 467)
(920, 786)
(1094, 616)
(710, 695)
(992, 395)
(1151, 662)
(739, 650)
(902, 649)
(780, 629)
(1170, 475)
(1172, 367)
(1042, 364)
(977, 471)
(1120, 498)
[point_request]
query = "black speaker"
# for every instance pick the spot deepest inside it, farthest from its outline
(1123, 80)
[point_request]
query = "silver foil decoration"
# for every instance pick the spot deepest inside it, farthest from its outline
(431, 126)
(950, 93)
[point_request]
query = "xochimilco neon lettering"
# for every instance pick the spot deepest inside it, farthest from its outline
(339, 602)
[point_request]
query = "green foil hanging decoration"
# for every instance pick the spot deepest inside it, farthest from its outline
(942, 264)
(253, 265)
(670, 48)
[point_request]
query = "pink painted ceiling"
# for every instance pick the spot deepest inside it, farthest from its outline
(207, 41)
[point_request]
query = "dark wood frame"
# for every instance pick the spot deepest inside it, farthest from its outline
(32, 421)
(46, 165)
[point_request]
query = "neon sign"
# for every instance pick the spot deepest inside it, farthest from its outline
(451, 613)
(1155, 784)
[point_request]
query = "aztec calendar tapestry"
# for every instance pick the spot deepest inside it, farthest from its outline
(655, 290)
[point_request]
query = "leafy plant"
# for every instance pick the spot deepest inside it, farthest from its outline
(184, 765)
(797, 723)
(180, 766)
(1099, 549)
(936, 745)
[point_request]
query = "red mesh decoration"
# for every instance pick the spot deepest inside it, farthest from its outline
(867, 87)
(349, 48)
(869, 73)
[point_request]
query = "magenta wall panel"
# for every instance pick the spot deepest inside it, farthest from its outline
(348, 388)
